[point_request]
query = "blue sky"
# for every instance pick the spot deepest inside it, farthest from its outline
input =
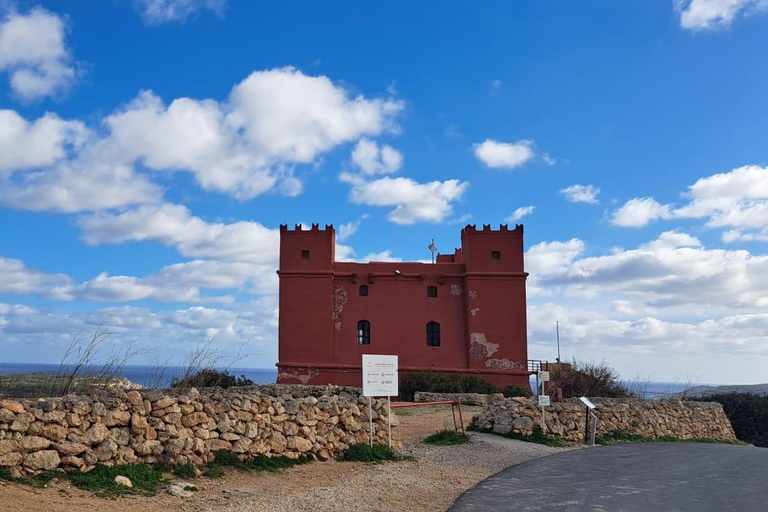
(149, 150)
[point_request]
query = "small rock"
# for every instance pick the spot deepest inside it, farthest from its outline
(123, 480)
(179, 490)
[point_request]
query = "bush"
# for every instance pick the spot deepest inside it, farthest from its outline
(363, 452)
(435, 382)
(747, 413)
(446, 437)
(517, 390)
(209, 378)
(580, 378)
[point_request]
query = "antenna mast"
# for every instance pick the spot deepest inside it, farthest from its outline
(433, 249)
(557, 326)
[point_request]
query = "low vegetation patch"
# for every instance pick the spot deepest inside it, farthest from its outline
(210, 378)
(537, 436)
(446, 437)
(147, 479)
(747, 413)
(619, 436)
(363, 452)
(580, 378)
(100, 480)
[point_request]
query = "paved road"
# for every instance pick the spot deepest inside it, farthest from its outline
(632, 477)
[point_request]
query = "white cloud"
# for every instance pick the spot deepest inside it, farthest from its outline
(156, 12)
(581, 193)
(640, 211)
(415, 202)
(520, 213)
(43, 142)
(17, 278)
(737, 199)
(345, 231)
(385, 255)
(246, 146)
(373, 160)
(192, 236)
(673, 270)
(34, 54)
(506, 155)
(713, 14)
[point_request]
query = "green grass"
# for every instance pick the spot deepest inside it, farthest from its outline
(619, 436)
(259, 463)
(146, 479)
(537, 436)
(446, 437)
(377, 453)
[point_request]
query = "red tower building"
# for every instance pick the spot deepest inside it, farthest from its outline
(463, 314)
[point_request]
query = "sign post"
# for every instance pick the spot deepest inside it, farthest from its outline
(543, 378)
(590, 406)
(380, 379)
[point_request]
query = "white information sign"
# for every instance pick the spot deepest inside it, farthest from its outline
(543, 376)
(380, 375)
(543, 400)
(586, 401)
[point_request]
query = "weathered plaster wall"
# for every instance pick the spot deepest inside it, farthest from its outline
(649, 418)
(117, 427)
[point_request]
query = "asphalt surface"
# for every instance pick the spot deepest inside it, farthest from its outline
(694, 477)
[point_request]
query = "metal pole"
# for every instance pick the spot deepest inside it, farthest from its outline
(461, 418)
(370, 419)
(557, 325)
(594, 429)
(586, 427)
(389, 422)
(543, 417)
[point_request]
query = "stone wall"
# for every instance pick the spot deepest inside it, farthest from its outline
(649, 418)
(126, 427)
(466, 398)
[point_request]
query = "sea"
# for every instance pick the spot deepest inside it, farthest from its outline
(147, 376)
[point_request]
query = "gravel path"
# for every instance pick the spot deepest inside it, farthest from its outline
(432, 482)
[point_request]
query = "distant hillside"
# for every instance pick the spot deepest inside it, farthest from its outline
(750, 389)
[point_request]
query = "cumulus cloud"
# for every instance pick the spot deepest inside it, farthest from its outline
(345, 231)
(674, 269)
(713, 14)
(581, 194)
(640, 211)
(245, 146)
(156, 12)
(34, 54)
(35, 144)
(371, 159)
(737, 200)
(413, 201)
(174, 225)
(520, 213)
(17, 278)
(505, 155)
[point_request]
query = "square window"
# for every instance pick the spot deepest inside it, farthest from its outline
(305, 254)
(495, 255)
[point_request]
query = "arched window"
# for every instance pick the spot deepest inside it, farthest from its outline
(433, 334)
(364, 290)
(363, 332)
(431, 291)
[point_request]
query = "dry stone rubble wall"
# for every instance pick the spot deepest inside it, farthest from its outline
(648, 418)
(126, 427)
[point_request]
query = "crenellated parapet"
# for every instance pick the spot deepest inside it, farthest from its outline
(301, 229)
(503, 228)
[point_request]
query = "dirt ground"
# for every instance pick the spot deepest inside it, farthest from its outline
(432, 482)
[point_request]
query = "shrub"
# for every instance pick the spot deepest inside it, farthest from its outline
(580, 378)
(446, 437)
(436, 382)
(363, 452)
(209, 378)
(517, 390)
(747, 413)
